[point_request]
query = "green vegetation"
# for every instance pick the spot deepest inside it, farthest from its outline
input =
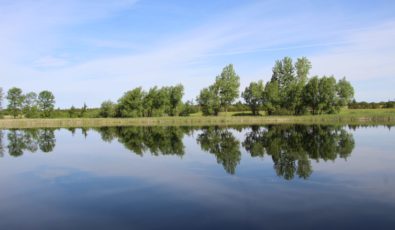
(221, 94)
(290, 91)
(291, 147)
(346, 116)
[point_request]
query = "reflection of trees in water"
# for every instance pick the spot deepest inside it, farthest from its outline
(292, 146)
(30, 140)
(221, 143)
(156, 140)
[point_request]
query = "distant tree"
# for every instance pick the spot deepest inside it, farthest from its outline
(107, 109)
(46, 103)
(310, 95)
(72, 111)
(15, 101)
(30, 105)
(345, 92)
(187, 108)
(131, 104)
(228, 84)
(319, 95)
(327, 94)
(175, 99)
(253, 96)
(271, 97)
(303, 67)
(209, 101)
(83, 110)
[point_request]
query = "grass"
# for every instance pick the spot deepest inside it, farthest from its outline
(354, 116)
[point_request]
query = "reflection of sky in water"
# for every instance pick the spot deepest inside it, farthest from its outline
(88, 183)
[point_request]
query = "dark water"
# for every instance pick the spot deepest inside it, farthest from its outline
(272, 177)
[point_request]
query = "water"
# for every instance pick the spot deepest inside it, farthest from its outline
(272, 177)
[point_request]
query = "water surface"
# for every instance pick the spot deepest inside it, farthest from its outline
(269, 177)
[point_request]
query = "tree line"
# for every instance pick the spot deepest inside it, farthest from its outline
(29, 105)
(290, 91)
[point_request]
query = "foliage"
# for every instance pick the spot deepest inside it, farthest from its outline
(131, 104)
(15, 101)
(222, 143)
(253, 96)
(227, 84)
(83, 110)
(72, 112)
(46, 103)
(292, 147)
(107, 109)
(209, 101)
(222, 93)
(30, 105)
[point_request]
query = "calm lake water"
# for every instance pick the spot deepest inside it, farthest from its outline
(269, 177)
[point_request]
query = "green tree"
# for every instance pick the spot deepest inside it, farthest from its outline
(187, 108)
(253, 96)
(175, 99)
(209, 101)
(228, 84)
(72, 111)
(83, 110)
(303, 67)
(327, 95)
(310, 95)
(271, 97)
(46, 103)
(107, 109)
(345, 92)
(15, 101)
(131, 104)
(30, 106)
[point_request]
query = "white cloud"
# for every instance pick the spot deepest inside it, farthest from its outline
(368, 54)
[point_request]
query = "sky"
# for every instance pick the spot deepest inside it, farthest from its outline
(95, 50)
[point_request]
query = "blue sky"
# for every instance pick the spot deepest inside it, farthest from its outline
(94, 50)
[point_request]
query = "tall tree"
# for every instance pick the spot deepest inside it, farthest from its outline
(15, 101)
(271, 97)
(46, 103)
(253, 96)
(175, 99)
(345, 92)
(310, 95)
(303, 67)
(228, 84)
(107, 109)
(131, 104)
(209, 101)
(30, 107)
(327, 94)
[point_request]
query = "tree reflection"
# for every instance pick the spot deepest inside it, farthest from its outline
(221, 143)
(30, 140)
(292, 146)
(46, 140)
(154, 139)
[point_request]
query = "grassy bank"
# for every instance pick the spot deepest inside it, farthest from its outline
(363, 116)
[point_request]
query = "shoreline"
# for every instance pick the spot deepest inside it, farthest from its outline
(199, 121)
